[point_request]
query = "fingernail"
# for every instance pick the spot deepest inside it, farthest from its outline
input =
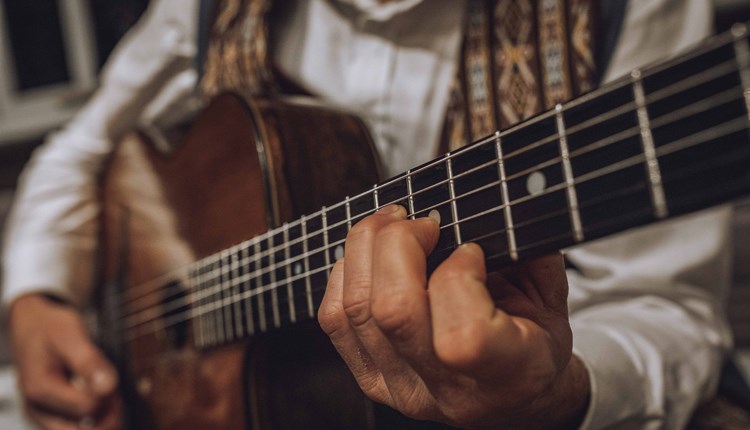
(102, 381)
(472, 248)
(388, 210)
(434, 215)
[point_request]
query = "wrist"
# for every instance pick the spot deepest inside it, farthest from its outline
(568, 400)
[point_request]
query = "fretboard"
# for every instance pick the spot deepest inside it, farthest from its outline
(664, 141)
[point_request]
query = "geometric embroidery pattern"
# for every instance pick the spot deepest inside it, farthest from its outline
(237, 56)
(519, 58)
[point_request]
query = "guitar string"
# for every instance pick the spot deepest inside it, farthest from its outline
(716, 100)
(721, 130)
(711, 73)
(732, 127)
(282, 247)
(158, 325)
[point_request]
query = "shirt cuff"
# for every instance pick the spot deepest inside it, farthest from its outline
(609, 365)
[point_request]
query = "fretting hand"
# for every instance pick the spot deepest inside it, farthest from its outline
(460, 347)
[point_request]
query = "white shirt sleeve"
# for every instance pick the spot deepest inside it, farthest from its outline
(52, 229)
(647, 306)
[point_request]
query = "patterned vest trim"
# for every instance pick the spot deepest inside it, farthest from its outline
(236, 55)
(519, 57)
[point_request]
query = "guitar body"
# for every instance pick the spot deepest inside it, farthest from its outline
(242, 168)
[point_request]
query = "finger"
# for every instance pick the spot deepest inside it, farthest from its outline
(358, 278)
(404, 386)
(400, 306)
(335, 324)
(470, 333)
(85, 361)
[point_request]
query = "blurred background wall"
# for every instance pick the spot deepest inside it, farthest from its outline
(50, 54)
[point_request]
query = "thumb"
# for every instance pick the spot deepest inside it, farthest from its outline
(90, 368)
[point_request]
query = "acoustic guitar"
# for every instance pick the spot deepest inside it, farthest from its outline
(217, 251)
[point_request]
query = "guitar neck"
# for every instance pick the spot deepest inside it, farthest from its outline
(664, 141)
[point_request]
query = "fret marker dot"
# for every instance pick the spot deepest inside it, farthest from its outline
(297, 268)
(338, 253)
(536, 183)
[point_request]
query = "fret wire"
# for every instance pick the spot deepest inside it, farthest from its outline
(682, 143)
(375, 197)
(510, 230)
(233, 269)
(226, 311)
(200, 338)
(589, 96)
(219, 315)
(452, 193)
(214, 327)
(308, 287)
(248, 303)
(410, 193)
(289, 287)
(742, 57)
(326, 254)
(210, 318)
(658, 199)
(348, 209)
(260, 301)
(274, 292)
(575, 214)
(208, 258)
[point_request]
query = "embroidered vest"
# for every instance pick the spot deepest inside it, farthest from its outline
(519, 58)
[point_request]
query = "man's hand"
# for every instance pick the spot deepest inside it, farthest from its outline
(66, 381)
(459, 347)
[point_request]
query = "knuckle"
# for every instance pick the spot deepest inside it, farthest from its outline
(394, 231)
(373, 386)
(446, 274)
(465, 345)
(86, 358)
(331, 319)
(413, 401)
(357, 311)
(391, 314)
(364, 229)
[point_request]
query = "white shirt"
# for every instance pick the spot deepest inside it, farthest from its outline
(645, 307)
